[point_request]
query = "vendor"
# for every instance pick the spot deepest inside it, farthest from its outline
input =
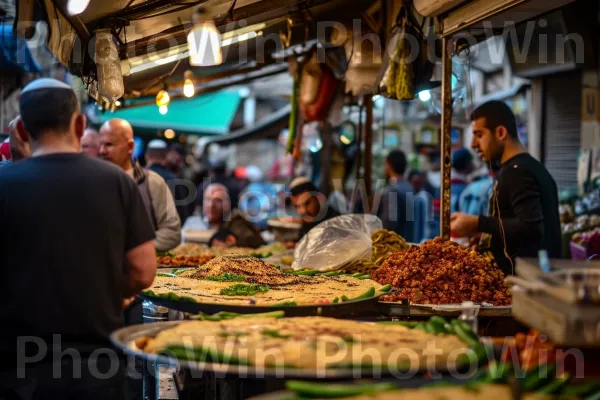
(524, 205)
(311, 205)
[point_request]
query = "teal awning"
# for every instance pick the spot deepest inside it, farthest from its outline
(209, 114)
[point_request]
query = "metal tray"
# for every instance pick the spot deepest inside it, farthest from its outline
(449, 310)
(124, 339)
(325, 310)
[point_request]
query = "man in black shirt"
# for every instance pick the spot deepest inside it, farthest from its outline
(76, 243)
(524, 205)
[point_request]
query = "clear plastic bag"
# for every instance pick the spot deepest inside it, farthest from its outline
(336, 242)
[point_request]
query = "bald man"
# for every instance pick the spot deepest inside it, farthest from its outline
(90, 143)
(116, 146)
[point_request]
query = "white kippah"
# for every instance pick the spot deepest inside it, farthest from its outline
(157, 144)
(45, 83)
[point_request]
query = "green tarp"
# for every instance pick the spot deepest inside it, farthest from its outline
(209, 114)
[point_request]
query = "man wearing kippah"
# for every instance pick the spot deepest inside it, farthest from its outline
(76, 244)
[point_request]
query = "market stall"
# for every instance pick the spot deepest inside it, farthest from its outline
(351, 299)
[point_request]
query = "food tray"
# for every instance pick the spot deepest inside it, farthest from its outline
(338, 310)
(124, 339)
(447, 310)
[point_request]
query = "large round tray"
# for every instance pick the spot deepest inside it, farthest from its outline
(447, 310)
(124, 339)
(325, 310)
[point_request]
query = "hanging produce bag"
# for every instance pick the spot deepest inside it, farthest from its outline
(337, 242)
(406, 68)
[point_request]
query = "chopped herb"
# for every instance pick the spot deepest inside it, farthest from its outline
(261, 255)
(285, 304)
(275, 333)
(226, 277)
(244, 290)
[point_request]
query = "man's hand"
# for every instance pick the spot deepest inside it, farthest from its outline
(463, 225)
(127, 302)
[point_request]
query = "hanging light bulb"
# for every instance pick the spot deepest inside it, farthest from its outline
(204, 41)
(108, 66)
(75, 7)
(188, 86)
(163, 98)
(169, 134)
(163, 110)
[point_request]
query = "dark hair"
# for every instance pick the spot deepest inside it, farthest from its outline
(397, 160)
(178, 148)
(497, 113)
(303, 188)
(462, 159)
(47, 110)
(415, 173)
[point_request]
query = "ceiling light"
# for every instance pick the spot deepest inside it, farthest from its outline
(75, 7)
(424, 95)
(204, 41)
(118, 103)
(169, 134)
(163, 98)
(188, 86)
(163, 110)
(241, 38)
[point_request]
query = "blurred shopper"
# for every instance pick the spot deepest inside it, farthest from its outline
(474, 199)
(423, 206)
(176, 159)
(217, 173)
(18, 148)
(311, 205)
(462, 167)
(116, 146)
(525, 201)
(156, 160)
(76, 243)
(397, 211)
(90, 143)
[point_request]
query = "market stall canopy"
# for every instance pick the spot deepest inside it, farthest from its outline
(209, 114)
(458, 15)
(14, 52)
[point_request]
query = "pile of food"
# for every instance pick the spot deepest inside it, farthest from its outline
(442, 272)
(384, 243)
(245, 280)
(183, 261)
(312, 343)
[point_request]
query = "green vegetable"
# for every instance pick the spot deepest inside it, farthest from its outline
(385, 288)
(536, 377)
(478, 350)
(466, 336)
(420, 326)
(226, 277)
(164, 254)
(595, 396)
(308, 272)
(466, 327)
(335, 301)
(187, 299)
(261, 255)
(430, 328)
(285, 304)
(330, 390)
(149, 293)
(244, 290)
(497, 372)
(332, 273)
(556, 385)
(164, 275)
(356, 275)
(275, 333)
(368, 294)
(438, 325)
(293, 120)
(345, 299)
(581, 389)
(271, 314)
(225, 315)
(407, 324)
(364, 277)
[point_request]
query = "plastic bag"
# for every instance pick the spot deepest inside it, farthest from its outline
(336, 242)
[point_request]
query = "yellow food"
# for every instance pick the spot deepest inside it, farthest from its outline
(314, 343)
